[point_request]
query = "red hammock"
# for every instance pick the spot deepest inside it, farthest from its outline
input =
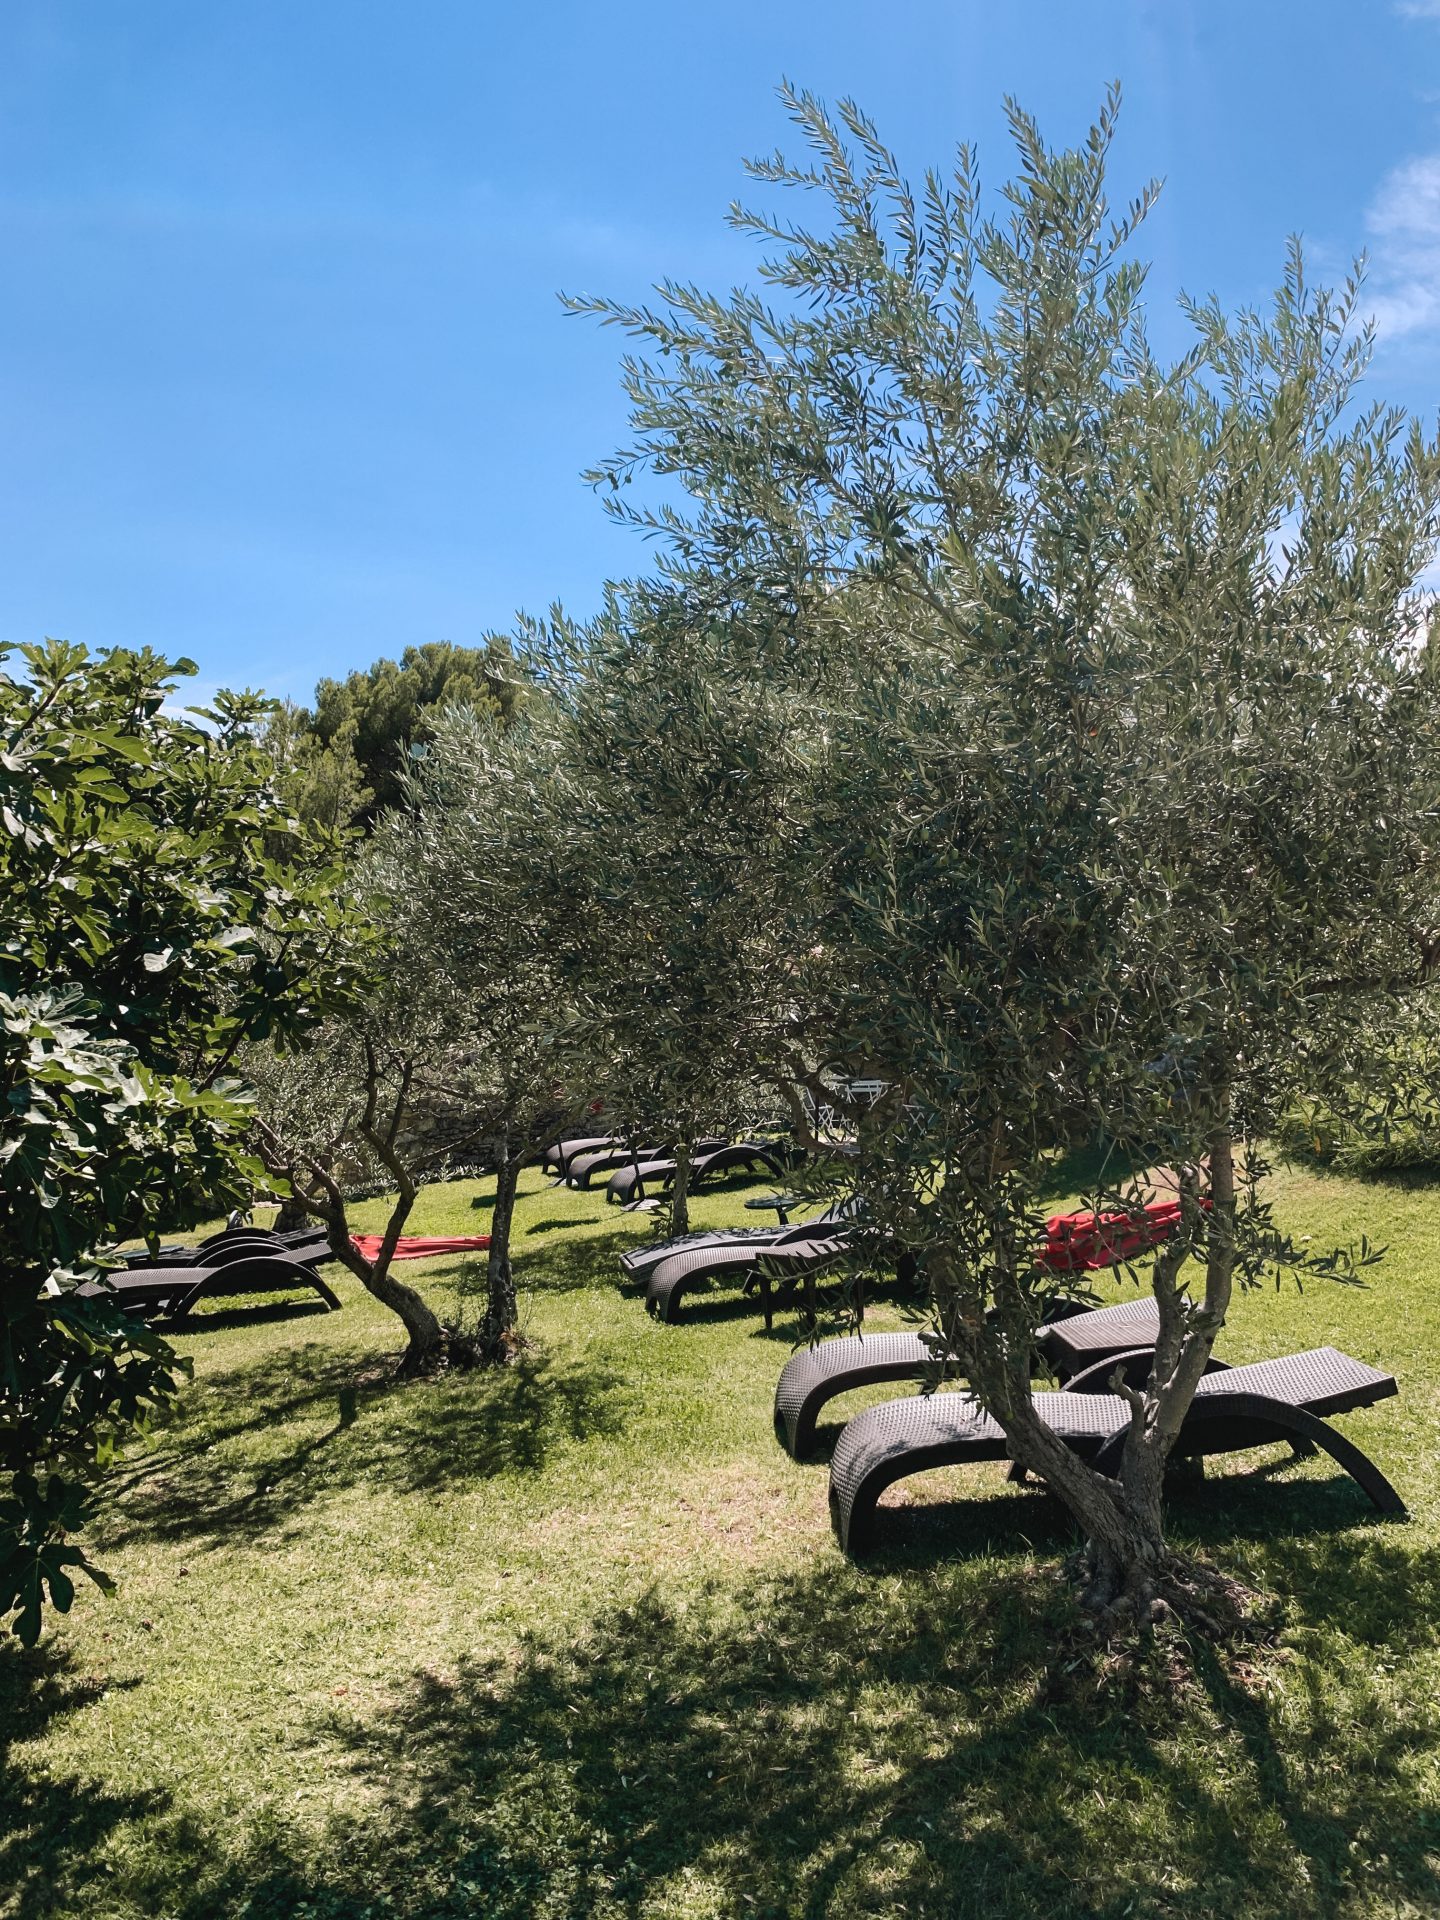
(417, 1246)
(1078, 1242)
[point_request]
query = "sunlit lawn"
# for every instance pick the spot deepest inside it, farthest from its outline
(576, 1640)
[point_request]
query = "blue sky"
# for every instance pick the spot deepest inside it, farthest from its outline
(284, 382)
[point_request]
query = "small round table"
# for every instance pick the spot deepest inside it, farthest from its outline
(779, 1203)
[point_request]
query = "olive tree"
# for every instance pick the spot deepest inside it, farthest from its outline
(338, 1116)
(477, 880)
(1132, 810)
(690, 739)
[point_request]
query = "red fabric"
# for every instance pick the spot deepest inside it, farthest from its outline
(1078, 1242)
(416, 1246)
(1074, 1242)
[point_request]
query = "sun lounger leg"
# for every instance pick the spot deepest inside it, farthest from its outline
(1286, 1423)
(1360, 1467)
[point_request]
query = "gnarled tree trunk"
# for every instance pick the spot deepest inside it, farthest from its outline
(1126, 1557)
(425, 1335)
(315, 1187)
(497, 1334)
(1183, 1347)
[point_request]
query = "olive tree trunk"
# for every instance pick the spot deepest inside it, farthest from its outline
(502, 1311)
(1183, 1347)
(314, 1186)
(680, 1190)
(1126, 1558)
(424, 1333)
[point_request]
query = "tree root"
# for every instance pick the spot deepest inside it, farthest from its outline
(1139, 1651)
(1154, 1639)
(461, 1352)
(1160, 1585)
(1199, 1596)
(1208, 1601)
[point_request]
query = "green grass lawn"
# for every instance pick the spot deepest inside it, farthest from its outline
(576, 1639)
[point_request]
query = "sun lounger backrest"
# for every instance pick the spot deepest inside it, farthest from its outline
(1322, 1381)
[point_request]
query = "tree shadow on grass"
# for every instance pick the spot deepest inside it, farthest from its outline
(571, 1266)
(703, 1308)
(1422, 1178)
(1274, 1500)
(1082, 1169)
(206, 1484)
(825, 1744)
(792, 1326)
(561, 1226)
(49, 1819)
(1332, 1556)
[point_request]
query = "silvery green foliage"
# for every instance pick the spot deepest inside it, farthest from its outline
(1125, 759)
(380, 1101)
(477, 882)
(692, 752)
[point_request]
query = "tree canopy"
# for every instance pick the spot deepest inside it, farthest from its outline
(484, 879)
(374, 716)
(1127, 791)
(690, 749)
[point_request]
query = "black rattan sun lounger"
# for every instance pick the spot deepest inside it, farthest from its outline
(162, 1289)
(291, 1238)
(1234, 1409)
(732, 1245)
(816, 1375)
(583, 1167)
(308, 1244)
(558, 1155)
(601, 1151)
(161, 1293)
(310, 1249)
(637, 1263)
(794, 1254)
(266, 1273)
(626, 1158)
(1079, 1340)
(708, 1163)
